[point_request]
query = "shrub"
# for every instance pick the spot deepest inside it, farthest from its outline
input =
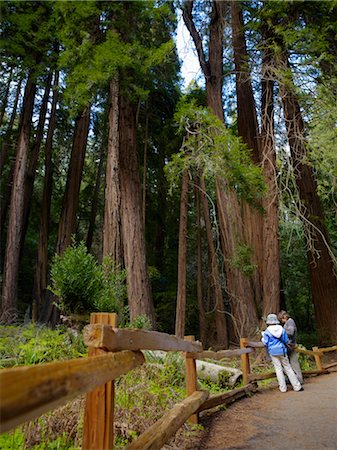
(77, 279)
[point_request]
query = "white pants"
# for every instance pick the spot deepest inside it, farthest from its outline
(282, 363)
(295, 365)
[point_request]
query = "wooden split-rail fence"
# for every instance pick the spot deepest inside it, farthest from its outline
(28, 392)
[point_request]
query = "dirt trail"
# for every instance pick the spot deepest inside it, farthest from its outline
(270, 420)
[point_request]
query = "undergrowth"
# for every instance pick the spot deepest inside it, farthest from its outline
(143, 395)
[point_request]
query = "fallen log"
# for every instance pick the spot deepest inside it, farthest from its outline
(218, 374)
(206, 370)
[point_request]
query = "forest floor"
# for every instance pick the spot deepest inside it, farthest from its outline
(273, 420)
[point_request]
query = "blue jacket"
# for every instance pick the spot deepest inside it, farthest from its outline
(275, 339)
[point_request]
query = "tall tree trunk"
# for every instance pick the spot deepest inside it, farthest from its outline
(239, 288)
(138, 285)
(41, 272)
(182, 258)
(11, 264)
(8, 138)
(221, 327)
(320, 259)
(271, 260)
(5, 97)
(240, 292)
(94, 199)
(112, 233)
(200, 294)
(34, 157)
(5, 192)
(248, 130)
(71, 195)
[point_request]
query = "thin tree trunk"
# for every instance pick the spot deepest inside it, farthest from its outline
(11, 265)
(34, 157)
(271, 260)
(182, 258)
(112, 233)
(71, 196)
(320, 259)
(41, 272)
(94, 199)
(138, 285)
(200, 296)
(248, 130)
(8, 138)
(5, 98)
(221, 327)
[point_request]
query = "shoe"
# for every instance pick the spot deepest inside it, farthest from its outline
(302, 389)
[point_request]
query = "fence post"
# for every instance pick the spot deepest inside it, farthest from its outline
(191, 378)
(245, 366)
(99, 405)
(318, 360)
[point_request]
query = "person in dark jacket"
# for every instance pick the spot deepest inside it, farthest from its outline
(290, 328)
(275, 339)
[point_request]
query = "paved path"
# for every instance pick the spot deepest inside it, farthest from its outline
(270, 420)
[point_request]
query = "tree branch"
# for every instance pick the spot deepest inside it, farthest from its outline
(188, 19)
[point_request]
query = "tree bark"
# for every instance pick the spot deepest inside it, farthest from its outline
(34, 157)
(220, 320)
(239, 287)
(248, 130)
(112, 234)
(5, 97)
(94, 199)
(138, 285)
(320, 259)
(182, 258)
(271, 260)
(11, 264)
(8, 137)
(41, 272)
(200, 294)
(71, 195)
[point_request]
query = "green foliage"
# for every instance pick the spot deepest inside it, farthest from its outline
(241, 259)
(83, 285)
(113, 292)
(140, 322)
(77, 279)
(110, 38)
(294, 273)
(12, 441)
(17, 440)
(30, 344)
(212, 147)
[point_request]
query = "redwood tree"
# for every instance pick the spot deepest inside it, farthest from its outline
(239, 287)
(15, 221)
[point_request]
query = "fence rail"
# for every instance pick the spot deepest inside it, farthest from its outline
(28, 392)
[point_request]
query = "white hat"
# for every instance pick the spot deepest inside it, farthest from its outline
(272, 319)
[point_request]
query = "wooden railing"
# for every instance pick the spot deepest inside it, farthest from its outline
(28, 392)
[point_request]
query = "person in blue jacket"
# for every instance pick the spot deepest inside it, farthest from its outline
(276, 339)
(290, 328)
